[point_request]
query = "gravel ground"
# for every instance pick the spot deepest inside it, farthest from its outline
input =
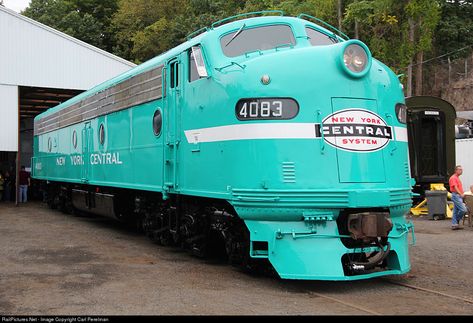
(54, 264)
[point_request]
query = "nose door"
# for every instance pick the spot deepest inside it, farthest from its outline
(360, 134)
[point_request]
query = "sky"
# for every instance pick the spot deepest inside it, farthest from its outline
(16, 5)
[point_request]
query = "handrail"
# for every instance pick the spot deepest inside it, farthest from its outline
(280, 12)
(219, 69)
(263, 12)
(303, 15)
(253, 51)
(283, 46)
(197, 32)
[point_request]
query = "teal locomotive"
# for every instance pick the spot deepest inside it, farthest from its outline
(273, 138)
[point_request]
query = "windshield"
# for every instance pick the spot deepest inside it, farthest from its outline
(247, 40)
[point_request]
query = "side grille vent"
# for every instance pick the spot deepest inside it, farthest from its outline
(289, 172)
(407, 171)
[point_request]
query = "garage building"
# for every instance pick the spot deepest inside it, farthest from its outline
(41, 67)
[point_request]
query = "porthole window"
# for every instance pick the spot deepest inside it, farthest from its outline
(50, 144)
(102, 134)
(74, 139)
(157, 122)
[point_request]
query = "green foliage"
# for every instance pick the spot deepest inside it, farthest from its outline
(141, 29)
(384, 26)
(323, 9)
(87, 20)
(146, 28)
(455, 29)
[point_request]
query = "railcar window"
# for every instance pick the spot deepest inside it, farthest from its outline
(197, 69)
(317, 38)
(101, 134)
(157, 122)
(254, 39)
(74, 139)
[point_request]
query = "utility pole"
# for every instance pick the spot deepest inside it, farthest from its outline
(411, 62)
(419, 73)
(340, 14)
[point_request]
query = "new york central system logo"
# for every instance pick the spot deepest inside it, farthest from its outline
(357, 130)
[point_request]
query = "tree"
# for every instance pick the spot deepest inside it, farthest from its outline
(322, 9)
(398, 33)
(455, 28)
(424, 16)
(145, 28)
(87, 20)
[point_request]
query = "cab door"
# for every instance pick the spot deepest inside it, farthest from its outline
(172, 123)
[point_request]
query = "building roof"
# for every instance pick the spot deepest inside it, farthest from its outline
(34, 54)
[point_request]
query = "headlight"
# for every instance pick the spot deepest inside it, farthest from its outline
(401, 112)
(356, 58)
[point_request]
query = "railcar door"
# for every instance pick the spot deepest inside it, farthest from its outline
(172, 123)
(86, 149)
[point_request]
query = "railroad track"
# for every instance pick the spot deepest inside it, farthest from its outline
(408, 286)
(431, 291)
(349, 304)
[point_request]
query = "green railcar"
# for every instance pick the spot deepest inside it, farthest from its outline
(272, 137)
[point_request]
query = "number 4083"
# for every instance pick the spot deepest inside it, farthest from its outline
(261, 109)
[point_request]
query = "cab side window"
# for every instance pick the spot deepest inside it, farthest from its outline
(317, 38)
(197, 69)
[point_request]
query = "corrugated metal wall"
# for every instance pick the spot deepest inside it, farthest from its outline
(464, 157)
(32, 54)
(8, 117)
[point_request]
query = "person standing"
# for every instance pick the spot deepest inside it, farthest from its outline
(2, 181)
(7, 187)
(25, 181)
(456, 189)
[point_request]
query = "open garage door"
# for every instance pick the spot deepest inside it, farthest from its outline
(33, 101)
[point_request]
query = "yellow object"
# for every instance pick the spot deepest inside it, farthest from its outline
(422, 209)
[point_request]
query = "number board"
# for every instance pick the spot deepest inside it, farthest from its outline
(266, 109)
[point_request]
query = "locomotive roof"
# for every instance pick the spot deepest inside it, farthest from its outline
(162, 58)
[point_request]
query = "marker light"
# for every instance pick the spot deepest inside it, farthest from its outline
(401, 112)
(265, 79)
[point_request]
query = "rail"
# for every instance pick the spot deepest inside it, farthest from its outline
(197, 32)
(254, 13)
(304, 16)
(267, 12)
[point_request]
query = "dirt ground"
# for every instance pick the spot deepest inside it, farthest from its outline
(55, 264)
